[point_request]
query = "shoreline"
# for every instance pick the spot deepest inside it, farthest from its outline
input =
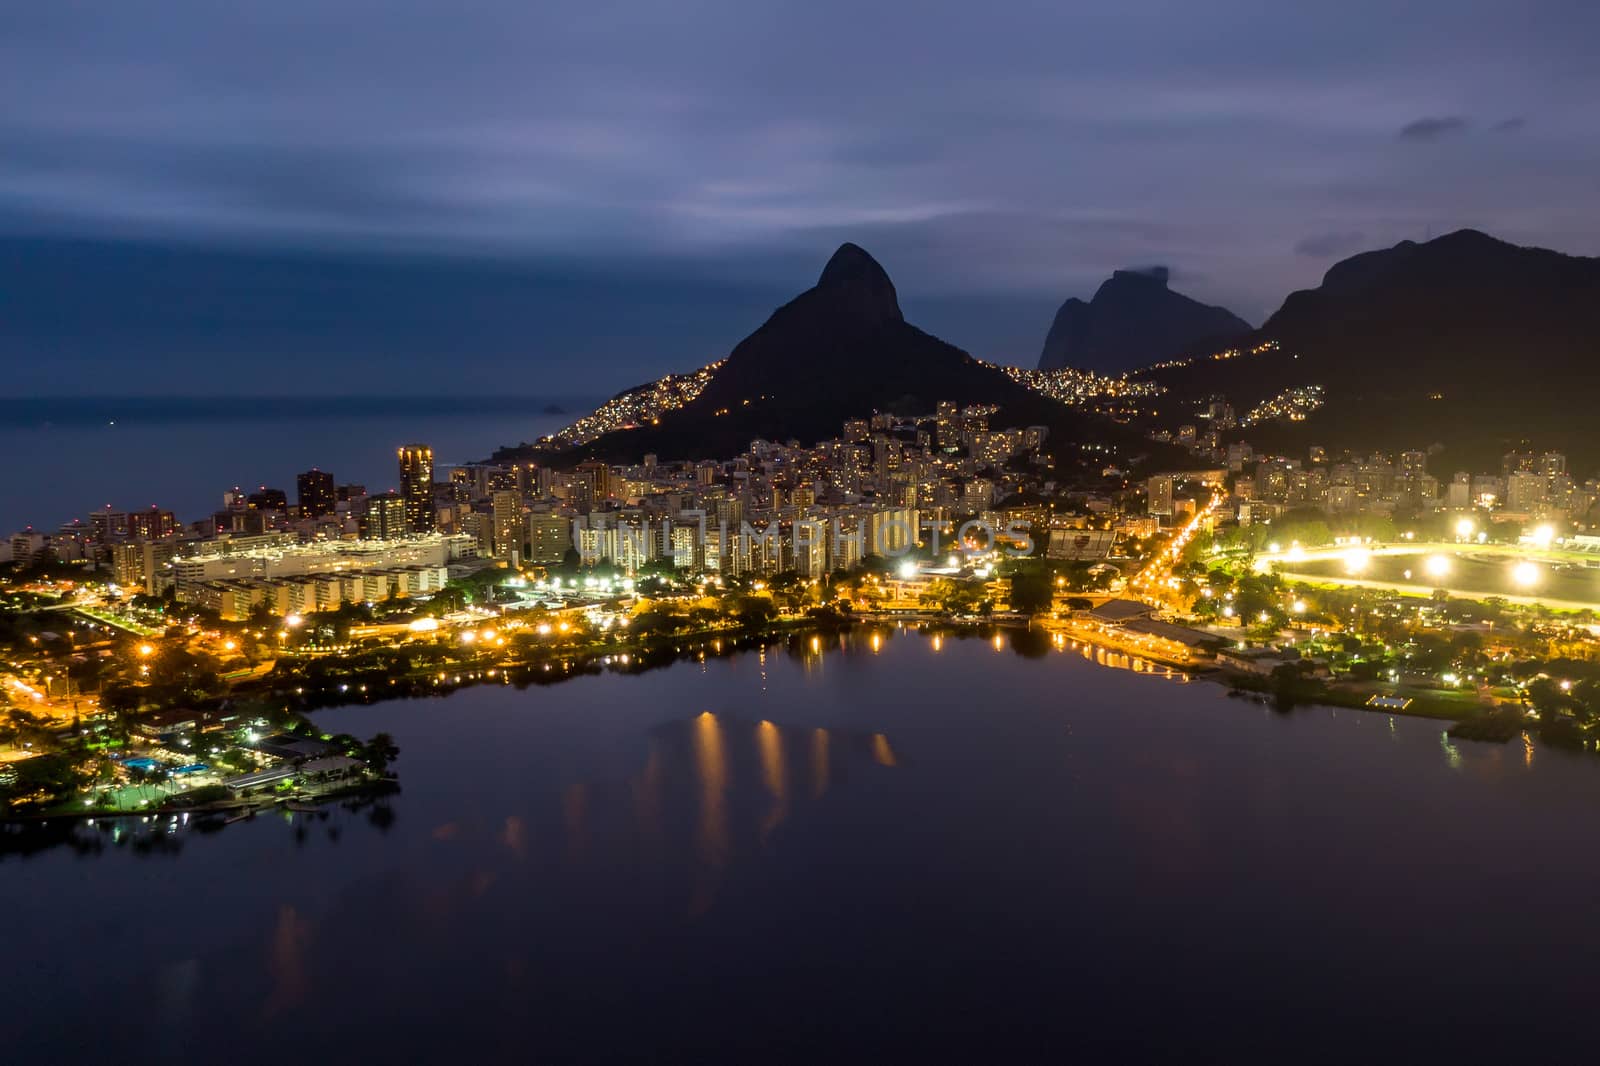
(654, 653)
(233, 810)
(642, 656)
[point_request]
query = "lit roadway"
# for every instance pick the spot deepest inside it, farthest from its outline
(1152, 583)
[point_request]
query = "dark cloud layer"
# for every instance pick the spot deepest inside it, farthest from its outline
(996, 158)
(1431, 129)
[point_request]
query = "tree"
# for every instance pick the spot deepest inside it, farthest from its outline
(120, 698)
(45, 780)
(1286, 686)
(1032, 587)
(754, 612)
(380, 751)
(956, 596)
(186, 673)
(655, 619)
(447, 600)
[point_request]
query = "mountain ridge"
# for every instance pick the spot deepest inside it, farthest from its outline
(1466, 341)
(840, 350)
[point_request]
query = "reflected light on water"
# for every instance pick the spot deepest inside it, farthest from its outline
(513, 835)
(574, 808)
(1452, 754)
(647, 794)
(769, 742)
(819, 762)
(286, 961)
(882, 753)
(711, 764)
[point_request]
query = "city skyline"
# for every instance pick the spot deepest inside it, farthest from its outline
(818, 532)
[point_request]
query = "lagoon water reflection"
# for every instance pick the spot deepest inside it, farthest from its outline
(884, 845)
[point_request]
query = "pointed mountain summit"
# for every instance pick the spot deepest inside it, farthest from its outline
(840, 350)
(858, 281)
(1134, 320)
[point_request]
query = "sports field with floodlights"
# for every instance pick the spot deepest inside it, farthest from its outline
(1561, 579)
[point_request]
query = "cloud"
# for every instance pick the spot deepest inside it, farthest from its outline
(1328, 245)
(1431, 129)
(1003, 159)
(1509, 125)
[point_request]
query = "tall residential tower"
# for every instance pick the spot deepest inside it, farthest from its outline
(416, 486)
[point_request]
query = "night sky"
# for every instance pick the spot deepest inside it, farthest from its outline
(560, 197)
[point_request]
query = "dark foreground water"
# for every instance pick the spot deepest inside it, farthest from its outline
(912, 853)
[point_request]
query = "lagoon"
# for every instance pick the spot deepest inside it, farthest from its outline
(882, 844)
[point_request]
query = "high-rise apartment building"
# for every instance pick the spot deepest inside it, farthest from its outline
(592, 478)
(1159, 489)
(416, 486)
(385, 517)
(549, 537)
(315, 493)
(508, 525)
(152, 524)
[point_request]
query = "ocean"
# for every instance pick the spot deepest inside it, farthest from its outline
(66, 457)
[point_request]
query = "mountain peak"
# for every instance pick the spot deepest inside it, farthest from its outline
(1155, 275)
(850, 261)
(1134, 320)
(860, 281)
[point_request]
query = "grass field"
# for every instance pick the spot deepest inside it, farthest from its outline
(1560, 580)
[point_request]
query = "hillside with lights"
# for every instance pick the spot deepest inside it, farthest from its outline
(1465, 342)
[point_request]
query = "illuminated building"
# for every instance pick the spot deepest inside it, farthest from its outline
(1159, 489)
(127, 564)
(592, 481)
(315, 494)
(152, 524)
(416, 486)
(385, 517)
(507, 507)
(549, 537)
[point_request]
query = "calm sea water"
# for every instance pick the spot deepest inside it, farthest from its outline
(886, 851)
(65, 458)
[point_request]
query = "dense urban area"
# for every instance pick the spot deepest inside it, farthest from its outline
(154, 665)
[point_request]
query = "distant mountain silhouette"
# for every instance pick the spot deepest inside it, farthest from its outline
(1134, 320)
(1465, 341)
(840, 350)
